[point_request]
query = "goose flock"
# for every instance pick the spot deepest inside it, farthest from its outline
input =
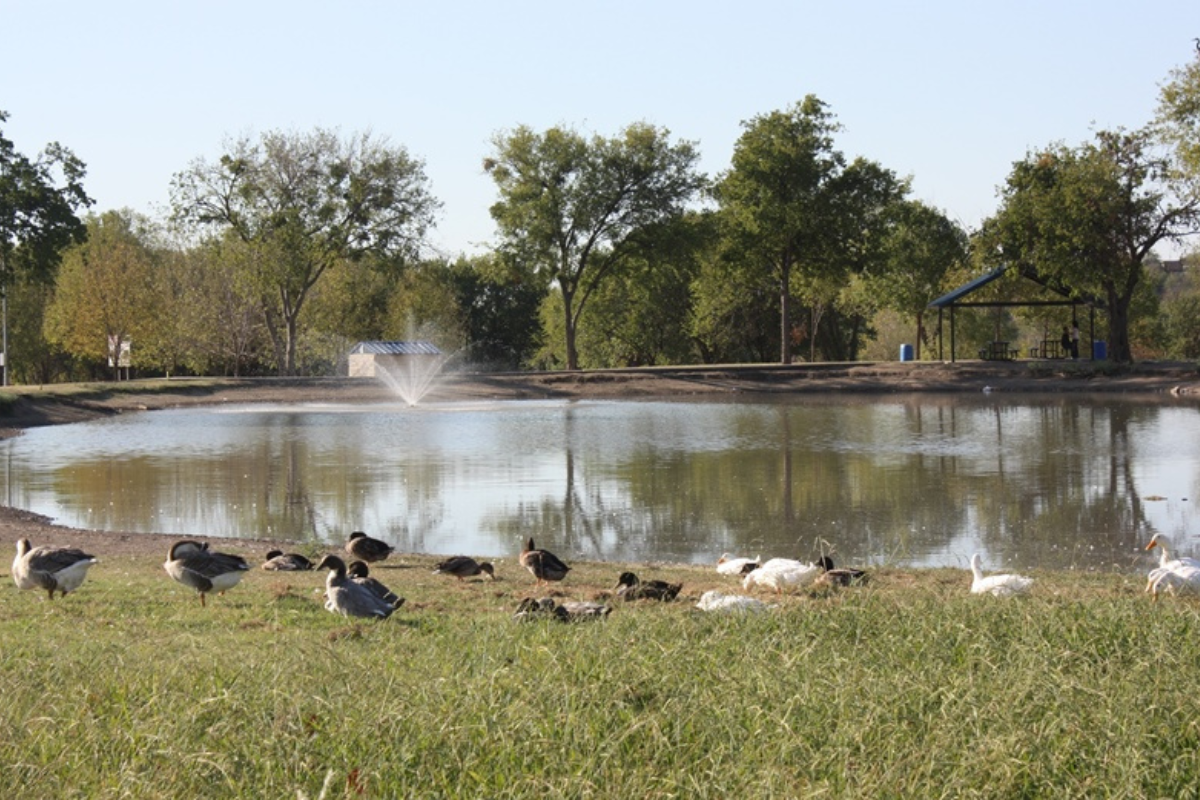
(351, 591)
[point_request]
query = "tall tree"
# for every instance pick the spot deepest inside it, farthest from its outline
(39, 199)
(793, 205)
(1085, 219)
(302, 203)
(106, 294)
(921, 247)
(573, 208)
(1178, 118)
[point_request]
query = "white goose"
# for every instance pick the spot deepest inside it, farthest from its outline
(782, 574)
(997, 585)
(729, 565)
(713, 600)
(1178, 575)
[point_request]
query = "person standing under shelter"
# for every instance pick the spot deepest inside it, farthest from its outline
(1065, 341)
(1074, 339)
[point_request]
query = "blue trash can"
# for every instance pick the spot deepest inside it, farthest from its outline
(1099, 351)
(906, 352)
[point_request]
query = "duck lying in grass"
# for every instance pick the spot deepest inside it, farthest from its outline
(844, 576)
(782, 575)
(542, 564)
(531, 609)
(464, 567)
(360, 573)
(345, 596)
(55, 569)
(729, 565)
(713, 600)
(629, 587)
(364, 548)
(1006, 585)
(193, 564)
(279, 561)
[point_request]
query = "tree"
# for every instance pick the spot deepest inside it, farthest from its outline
(38, 203)
(1085, 220)
(921, 246)
(573, 209)
(792, 205)
(303, 203)
(105, 296)
(1178, 117)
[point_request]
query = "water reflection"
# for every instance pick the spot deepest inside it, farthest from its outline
(919, 480)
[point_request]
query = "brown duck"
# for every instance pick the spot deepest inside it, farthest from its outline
(542, 564)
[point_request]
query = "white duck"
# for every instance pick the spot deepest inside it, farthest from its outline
(55, 569)
(782, 574)
(1006, 585)
(729, 565)
(713, 600)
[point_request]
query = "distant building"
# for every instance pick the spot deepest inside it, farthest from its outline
(367, 357)
(1172, 266)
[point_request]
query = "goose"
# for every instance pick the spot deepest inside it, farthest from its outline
(364, 548)
(361, 574)
(782, 574)
(629, 587)
(728, 565)
(1180, 575)
(351, 599)
(279, 561)
(55, 569)
(997, 585)
(192, 564)
(542, 564)
(713, 600)
(464, 567)
(844, 576)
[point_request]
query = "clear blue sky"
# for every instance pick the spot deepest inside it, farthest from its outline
(949, 93)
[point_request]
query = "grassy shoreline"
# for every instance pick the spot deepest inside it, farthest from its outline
(906, 687)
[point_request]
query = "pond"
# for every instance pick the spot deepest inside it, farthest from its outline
(912, 480)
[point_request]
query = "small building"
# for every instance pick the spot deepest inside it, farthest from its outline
(366, 358)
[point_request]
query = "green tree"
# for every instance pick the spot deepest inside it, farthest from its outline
(1178, 117)
(573, 209)
(106, 295)
(302, 204)
(921, 247)
(793, 206)
(1086, 219)
(39, 199)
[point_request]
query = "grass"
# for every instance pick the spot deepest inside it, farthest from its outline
(908, 687)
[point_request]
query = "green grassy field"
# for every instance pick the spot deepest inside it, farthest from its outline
(908, 687)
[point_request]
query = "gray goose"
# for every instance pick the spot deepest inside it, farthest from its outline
(55, 569)
(193, 564)
(350, 599)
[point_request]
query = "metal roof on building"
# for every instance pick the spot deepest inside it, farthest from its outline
(953, 297)
(396, 349)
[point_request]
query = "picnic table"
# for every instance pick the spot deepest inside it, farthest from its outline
(997, 351)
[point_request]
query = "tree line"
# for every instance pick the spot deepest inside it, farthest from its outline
(610, 251)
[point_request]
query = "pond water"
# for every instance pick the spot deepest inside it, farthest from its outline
(914, 480)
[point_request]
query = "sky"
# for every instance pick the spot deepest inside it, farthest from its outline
(949, 94)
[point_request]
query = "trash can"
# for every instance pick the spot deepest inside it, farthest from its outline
(906, 352)
(1099, 351)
